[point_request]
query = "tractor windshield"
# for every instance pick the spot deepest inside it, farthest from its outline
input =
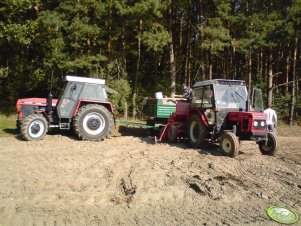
(230, 96)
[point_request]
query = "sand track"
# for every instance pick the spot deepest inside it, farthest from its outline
(127, 180)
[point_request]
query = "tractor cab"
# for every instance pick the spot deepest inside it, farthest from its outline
(216, 98)
(78, 90)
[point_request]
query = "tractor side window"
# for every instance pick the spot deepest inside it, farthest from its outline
(207, 97)
(93, 92)
(197, 97)
(69, 99)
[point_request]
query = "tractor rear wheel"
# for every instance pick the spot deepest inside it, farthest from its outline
(268, 147)
(93, 122)
(197, 132)
(34, 127)
(229, 144)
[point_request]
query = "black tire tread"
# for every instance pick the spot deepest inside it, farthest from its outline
(82, 110)
(236, 143)
(202, 143)
(273, 152)
(25, 123)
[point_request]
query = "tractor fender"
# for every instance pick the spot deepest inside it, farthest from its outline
(82, 102)
(200, 113)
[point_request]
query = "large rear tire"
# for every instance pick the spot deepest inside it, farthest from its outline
(34, 127)
(93, 122)
(229, 144)
(269, 147)
(197, 132)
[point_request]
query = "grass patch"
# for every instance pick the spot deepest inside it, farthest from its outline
(7, 125)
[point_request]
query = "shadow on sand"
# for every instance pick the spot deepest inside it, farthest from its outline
(144, 135)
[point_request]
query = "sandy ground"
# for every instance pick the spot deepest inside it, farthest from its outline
(127, 180)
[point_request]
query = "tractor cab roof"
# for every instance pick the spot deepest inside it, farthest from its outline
(71, 78)
(219, 82)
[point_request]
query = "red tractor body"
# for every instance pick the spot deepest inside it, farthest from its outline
(218, 112)
(83, 106)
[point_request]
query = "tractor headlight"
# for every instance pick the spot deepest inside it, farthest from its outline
(255, 123)
(262, 123)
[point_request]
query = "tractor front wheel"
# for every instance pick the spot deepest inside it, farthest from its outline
(93, 122)
(34, 127)
(229, 144)
(268, 147)
(197, 132)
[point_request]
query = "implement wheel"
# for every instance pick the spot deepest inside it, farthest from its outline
(229, 144)
(268, 147)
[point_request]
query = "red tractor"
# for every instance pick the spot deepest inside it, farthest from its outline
(219, 112)
(83, 106)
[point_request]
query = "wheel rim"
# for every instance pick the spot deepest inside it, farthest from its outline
(194, 131)
(227, 145)
(36, 129)
(94, 123)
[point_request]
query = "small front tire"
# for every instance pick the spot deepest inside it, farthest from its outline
(229, 144)
(268, 147)
(34, 127)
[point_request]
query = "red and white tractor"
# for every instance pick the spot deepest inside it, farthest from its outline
(220, 112)
(83, 107)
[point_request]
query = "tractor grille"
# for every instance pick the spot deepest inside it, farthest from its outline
(260, 125)
(245, 125)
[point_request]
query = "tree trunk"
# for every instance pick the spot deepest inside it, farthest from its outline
(210, 65)
(249, 57)
(110, 29)
(189, 65)
(137, 70)
(261, 63)
(293, 90)
(270, 79)
(234, 76)
(201, 51)
(172, 63)
(125, 109)
(187, 53)
(287, 71)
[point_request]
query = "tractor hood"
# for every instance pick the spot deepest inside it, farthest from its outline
(34, 102)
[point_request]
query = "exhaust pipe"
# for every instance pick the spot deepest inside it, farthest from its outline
(49, 102)
(248, 105)
(50, 96)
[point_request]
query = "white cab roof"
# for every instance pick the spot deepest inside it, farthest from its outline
(85, 79)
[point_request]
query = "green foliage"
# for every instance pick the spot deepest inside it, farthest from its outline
(156, 38)
(216, 36)
(101, 39)
(281, 105)
(120, 98)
